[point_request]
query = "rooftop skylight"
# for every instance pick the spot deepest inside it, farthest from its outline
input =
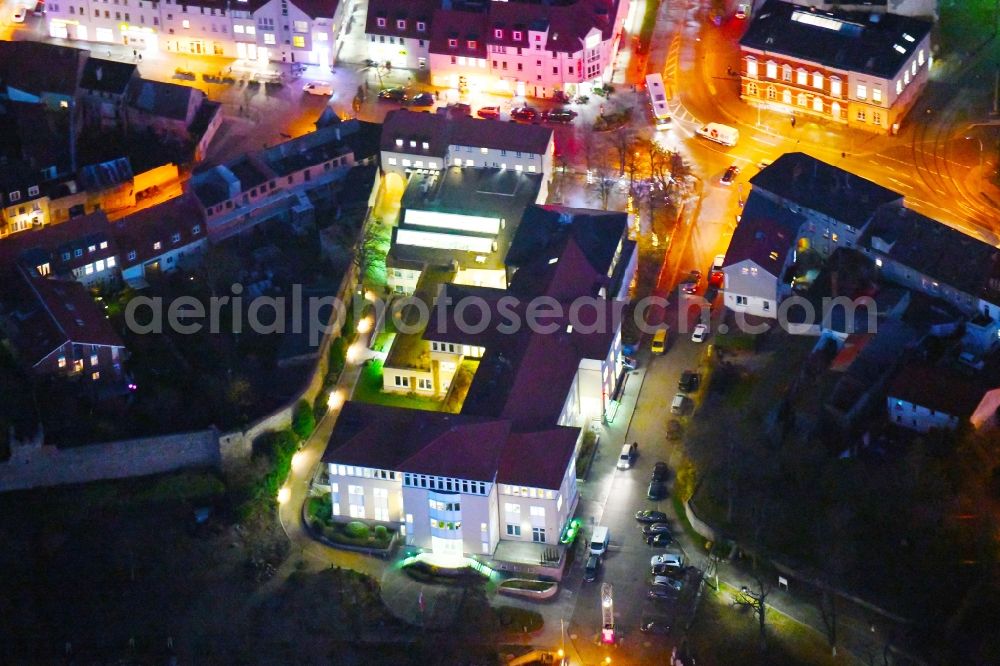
(817, 21)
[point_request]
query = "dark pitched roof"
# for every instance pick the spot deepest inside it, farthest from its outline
(538, 459)
(51, 242)
(567, 24)
(936, 250)
(417, 441)
(109, 76)
(140, 231)
(939, 388)
(53, 313)
(878, 44)
(167, 100)
(543, 228)
(764, 235)
(317, 8)
(440, 131)
(412, 11)
(822, 187)
(38, 68)
(464, 28)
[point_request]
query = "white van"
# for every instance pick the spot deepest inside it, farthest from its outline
(724, 134)
(679, 403)
(599, 541)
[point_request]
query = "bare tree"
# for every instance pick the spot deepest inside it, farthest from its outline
(599, 169)
(754, 597)
(622, 141)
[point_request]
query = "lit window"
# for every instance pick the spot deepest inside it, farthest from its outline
(899, 87)
(484, 150)
(95, 376)
(472, 45)
(392, 161)
(913, 68)
(301, 26)
(269, 38)
(185, 23)
(426, 146)
(877, 95)
(111, 262)
(88, 269)
(801, 77)
(835, 86)
(251, 30)
(751, 67)
(920, 58)
(157, 245)
(99, 265)
(786, 72)
(298, 41)
(801, 99)
(818, 104)
(62, 361)
(238, 29)
(861, 92)
(818, 80)
(321, 36)
(772, 69)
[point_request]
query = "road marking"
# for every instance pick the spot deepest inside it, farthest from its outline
(759, 139)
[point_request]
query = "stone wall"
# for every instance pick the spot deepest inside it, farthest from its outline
(33, 464)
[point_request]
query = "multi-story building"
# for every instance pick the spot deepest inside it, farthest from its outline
(864, 70)
(520, 48)
(103, 87)
(413, 141)
(453, 484)
(284, 181)
(160, 239)
(304, 31)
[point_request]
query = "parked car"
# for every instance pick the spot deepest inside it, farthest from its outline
(700, 333)
(659, 540)
(590, 570)
(421, 99)
(661, 592)
(674, 430)
(690, 381)
(660, 471)
(392, 94)
(321, 89)
(628, 455)
(563, 116)
(459, 109)
(667, 581)
(730, 175)
(659, 344)
(19, 14)
(657, 490)
(667, 559)
(630, 362)
(690, 284)
(679, 404)
(742, 10)
(650, 516)
(489, 112)
(656, 528)
(668, 570)
(654, 624)
(715, 275)
(524, 114)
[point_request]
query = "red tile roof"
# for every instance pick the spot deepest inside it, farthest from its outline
(411, 440)
(463, 27)
(53, 313)
(53, 242)
(538, 459)
(140, 231)
(942, 389)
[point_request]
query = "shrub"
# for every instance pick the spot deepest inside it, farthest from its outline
(381, 532)
(338, 356)
(303, 420)
(319, 508)
(356, 529)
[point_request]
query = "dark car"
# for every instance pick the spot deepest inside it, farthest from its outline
(690, 380)
(392, 94)
(422, 99)
(650, 516)
(459, 109)
(564, 116)
(668, 570)
(674, 430)
(659, 540)
(657, 490)
(730, 175)
(660, 471)
(524, 114)
(590, 570)
(690, 284)
(660, 592)
(654, 624)
(656, 528)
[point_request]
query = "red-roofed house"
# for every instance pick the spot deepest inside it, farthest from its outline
(161, 238)
(57, 329)
(454, 484)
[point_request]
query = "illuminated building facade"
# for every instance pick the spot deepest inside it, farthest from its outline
(520, 48)
(304, 31)
(863, 70)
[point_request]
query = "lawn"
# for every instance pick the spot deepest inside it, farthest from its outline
(721, 631)
(369, 389)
